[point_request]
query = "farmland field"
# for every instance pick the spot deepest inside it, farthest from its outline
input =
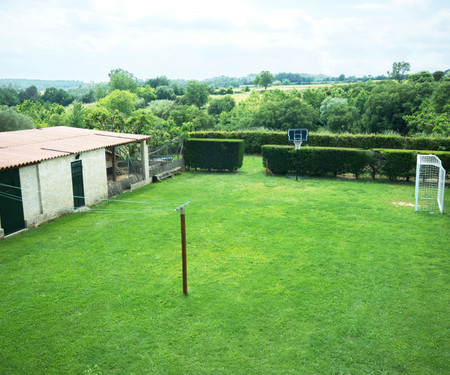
(320, 276)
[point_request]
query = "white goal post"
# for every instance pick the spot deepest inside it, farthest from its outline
(430, 184)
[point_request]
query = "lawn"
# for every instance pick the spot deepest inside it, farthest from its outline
(320, 276)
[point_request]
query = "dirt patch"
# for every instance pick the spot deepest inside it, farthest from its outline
(403, 204)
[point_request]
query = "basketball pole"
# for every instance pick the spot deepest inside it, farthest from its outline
(183, 246)
(296, 167)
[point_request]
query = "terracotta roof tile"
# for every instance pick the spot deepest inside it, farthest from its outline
(24, 147)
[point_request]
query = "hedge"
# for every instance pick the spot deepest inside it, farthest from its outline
(220, 154)
(254, 140)
(323, 161)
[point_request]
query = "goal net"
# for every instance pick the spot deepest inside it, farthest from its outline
(430, 184)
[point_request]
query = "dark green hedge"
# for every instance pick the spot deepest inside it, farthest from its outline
(328, 161)
(220, 154)
(254, 140)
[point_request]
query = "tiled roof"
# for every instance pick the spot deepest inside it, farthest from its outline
(25, 147)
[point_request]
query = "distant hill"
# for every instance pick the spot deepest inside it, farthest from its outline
(20, 83)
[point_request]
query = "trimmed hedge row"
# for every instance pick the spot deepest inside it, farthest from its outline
(326, 161)
(221, 154)
(254, 140)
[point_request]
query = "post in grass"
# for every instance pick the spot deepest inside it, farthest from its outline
(183, 245)
(297, 136)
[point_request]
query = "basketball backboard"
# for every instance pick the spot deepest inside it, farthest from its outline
(298, 135)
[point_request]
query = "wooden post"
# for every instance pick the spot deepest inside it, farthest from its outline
(114, 171)
(183, 246)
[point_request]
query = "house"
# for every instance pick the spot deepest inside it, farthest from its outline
(49, 172)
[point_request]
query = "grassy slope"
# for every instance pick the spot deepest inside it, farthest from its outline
(320, 276)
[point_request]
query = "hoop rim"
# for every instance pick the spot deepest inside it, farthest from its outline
(298, 144)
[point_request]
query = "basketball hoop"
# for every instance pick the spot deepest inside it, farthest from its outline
(297, 136)
(298, 144)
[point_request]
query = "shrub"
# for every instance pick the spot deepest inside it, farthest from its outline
(398, 163)
(316, 161)
(254, 140)
(221, 154)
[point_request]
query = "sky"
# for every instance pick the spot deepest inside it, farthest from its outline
(183, 39)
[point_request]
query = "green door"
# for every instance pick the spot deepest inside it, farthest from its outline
(77, 184)
(11, 208)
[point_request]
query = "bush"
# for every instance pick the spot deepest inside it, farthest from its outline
(220, 154)
(254, 140)
(323, 161)
(10, 120)
(316, 161)
(398, 163)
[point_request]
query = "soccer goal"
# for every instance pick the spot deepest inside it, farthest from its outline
(430, 184)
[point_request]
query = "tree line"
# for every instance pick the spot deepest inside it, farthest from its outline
(405, 104)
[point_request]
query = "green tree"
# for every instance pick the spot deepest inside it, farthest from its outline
(399, 70)
(285, 114)
(158, 81)
(122, 101)
(217, 106)
(428, 121)
(264, 79)
(198, 119)
(339, 116)
(30, 93)
(101, 90)
(421, 77)
(197, 93)
(8, 97)
(76, 118)
(437, 75)
(165, 93)
(441, 96)
(10, 120)
(147, 93)
(120, 79)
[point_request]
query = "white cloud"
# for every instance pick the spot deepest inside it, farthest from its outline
(198, 38)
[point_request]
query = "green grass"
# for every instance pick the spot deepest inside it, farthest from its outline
(320, 276)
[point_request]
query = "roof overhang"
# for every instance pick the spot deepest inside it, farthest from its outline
(24, 147)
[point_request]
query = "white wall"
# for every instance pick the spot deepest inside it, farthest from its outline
(47, 187)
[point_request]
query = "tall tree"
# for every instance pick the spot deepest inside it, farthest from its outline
(197, 93)
(120, 79)
(264, 79)
(399, 70)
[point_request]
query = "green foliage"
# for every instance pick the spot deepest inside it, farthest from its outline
(316, 161)
(8, 97)
(421, 77)
(197, 93)
(254, 140)
(147, 93)
(441, 96)
(10, 120)
(165, 93)
(158, 81)
(399, 70)
(220, 154)
(428, 121)
(398, 163)
(119, 100)
(120, 79)
(217, 106)
(43, 115)
(76, 117)
(198, 119)
(265, 78)
(327, 161)
(161, 108)
(31, 93)
(53, 95)
(339, 116)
